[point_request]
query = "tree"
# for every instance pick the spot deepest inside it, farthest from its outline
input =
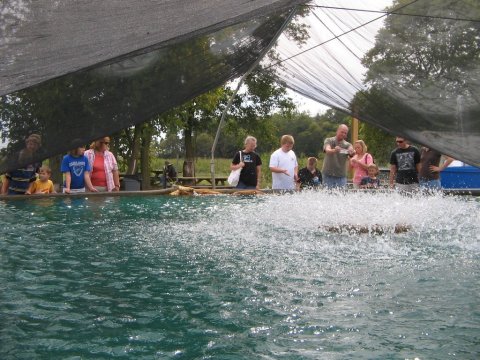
(421, 69)
(195, 115)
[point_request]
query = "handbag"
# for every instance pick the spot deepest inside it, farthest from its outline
(234, 176)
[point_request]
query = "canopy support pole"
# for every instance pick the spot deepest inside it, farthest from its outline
(240, 83)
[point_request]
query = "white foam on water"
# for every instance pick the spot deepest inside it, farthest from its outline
(292, 230)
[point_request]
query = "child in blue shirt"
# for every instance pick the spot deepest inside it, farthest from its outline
(76, 168)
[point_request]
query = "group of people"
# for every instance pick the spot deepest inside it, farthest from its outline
(95, 170)
(409, 168)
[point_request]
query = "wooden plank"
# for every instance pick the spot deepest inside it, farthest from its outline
(198, 179)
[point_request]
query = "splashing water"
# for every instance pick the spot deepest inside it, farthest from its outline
(241, 278)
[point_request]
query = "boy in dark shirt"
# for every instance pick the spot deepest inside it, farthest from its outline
(310, 176)
(371, 181)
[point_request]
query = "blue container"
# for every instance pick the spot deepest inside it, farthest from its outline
(461, 177)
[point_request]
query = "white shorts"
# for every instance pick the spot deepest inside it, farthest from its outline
(74, 191)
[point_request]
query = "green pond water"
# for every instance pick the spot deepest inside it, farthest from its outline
(224, 277)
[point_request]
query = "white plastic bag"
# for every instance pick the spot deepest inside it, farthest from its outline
(234, 176)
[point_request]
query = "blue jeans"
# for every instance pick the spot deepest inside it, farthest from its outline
(430, 184)
(331, 182)
(242, 186)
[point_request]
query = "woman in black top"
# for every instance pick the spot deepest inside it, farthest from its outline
(251, 164)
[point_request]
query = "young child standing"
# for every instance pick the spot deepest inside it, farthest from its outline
(76, 168)
(43, 185)
(310, 176)
(371, 181)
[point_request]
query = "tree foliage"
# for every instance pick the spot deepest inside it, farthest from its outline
(418, 70)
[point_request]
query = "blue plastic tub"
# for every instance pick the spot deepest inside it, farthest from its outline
(461, 177)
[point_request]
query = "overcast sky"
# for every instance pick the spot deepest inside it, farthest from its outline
(330, 71)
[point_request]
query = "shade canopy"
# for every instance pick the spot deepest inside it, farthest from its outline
(73, 71)
(411, 68)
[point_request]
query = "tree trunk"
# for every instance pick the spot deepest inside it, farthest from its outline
(189, 163)
(145, 157)
(132, 161)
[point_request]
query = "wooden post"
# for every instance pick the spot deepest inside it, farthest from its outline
(354, 129)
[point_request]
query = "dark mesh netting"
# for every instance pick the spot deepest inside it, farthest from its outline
(119, 64)
(74, 71)
(409, 67)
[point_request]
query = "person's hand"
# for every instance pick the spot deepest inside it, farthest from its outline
(434, 168)
(285, 171)
(242, 164)
(337, 148)
(28, 193)
(66, 190)
(93, 189)
(116, 188)
(295, 177)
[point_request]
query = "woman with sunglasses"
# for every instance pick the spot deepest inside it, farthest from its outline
(104, 169)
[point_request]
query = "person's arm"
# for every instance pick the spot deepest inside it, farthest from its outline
(351, 151)
(68, 182)
(446, 163)
(240, 165)
(116, 180)
(418, 167)
(417, 157)
(259, 176)
(237, 162)
(393, 172)
(276, 169)
(88, 182)
(52, 188)
(351, 163)
(279, 170)
(5, 184)
(330, 150)
(31, 189)
(295, 174)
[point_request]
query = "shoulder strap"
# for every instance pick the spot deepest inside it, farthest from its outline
(240, 155)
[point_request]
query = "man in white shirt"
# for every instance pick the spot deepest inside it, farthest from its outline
(284, 165)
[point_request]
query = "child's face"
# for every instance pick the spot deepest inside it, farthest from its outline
(43, 175)
(372, 172)
(287, 147)
(80, 151)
